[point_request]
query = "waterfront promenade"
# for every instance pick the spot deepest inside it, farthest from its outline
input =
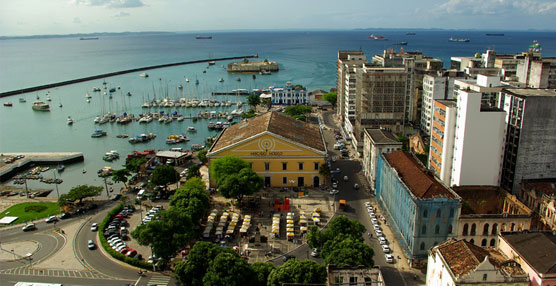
(8, 170)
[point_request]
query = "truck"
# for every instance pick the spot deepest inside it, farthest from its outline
(343, 204)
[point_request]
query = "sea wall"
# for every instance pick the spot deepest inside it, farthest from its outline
(7, 171)
(251, 66)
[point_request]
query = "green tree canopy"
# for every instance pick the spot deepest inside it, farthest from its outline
(297, 110)
(237, 185)
(330, 97)
(324, 170)
(134, 164)
(262, 270)
(79, 193)
(315, 237)
(346, 250)
(194, 171)
(170, 231)
(228, 269)
(192, 198)
(341, 225)
(253, 100)
(120, 176)
(164, 175)
(222, 167)
(202, 155)
(192, 271)
(296, 271)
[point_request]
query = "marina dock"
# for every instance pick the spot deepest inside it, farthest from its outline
(105, 75)
(8, 170)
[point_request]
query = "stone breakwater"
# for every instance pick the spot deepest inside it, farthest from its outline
(253, 66)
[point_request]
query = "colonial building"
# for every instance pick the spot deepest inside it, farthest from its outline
(530, 151)
(535, 252)
(462, 263)
(289, 95)
(377, 141)
(423, 212)
(354, 276)
(284, 151)
(486, 211)
(540, 196)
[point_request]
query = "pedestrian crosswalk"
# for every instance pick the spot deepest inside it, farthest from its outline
(32, 271)
(158, 279)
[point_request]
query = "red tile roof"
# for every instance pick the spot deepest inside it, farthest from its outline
(422, 184)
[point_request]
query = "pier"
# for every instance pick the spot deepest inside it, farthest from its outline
(8, 170)
(105, 75)
(231, 93)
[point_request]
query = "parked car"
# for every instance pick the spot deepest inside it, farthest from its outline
(376, 227)
(65, 216)
(91, 245)
(287, 257)
(94, 226)
(346, 178)
(378, 233)
(334, 192)
(334, 185)
(315, 252)
(382, 240)
(51, 219)
(131, 253)
(385, 248)
(368, 205)
(28, 227)
(356, 186)
(389, 258)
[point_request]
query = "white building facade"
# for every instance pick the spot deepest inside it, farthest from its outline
(434, 87)
(442, 139)
(376, 142)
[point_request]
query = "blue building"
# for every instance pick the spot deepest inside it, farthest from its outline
(422, 211)
(289, 95)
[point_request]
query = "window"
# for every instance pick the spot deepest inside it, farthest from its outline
(284, 180)
(438, 213)
(267, 166)
(300, 165)
(485, 229)
(424, 229)
(451, 212)
(492, 242)
(465, 229)
(425, 213)
(437, 229)
(472, 241)
(450, 228)
(484, 242)
(316, 165)
(422, 246)
(473, 229)
(485, 277)
(284, 166)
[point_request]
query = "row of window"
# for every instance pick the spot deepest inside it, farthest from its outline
(285, 166)
(436, 229)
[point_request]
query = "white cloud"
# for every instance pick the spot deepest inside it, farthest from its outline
(112, 3)
(497, 7)
(76, 20)
(121, 14)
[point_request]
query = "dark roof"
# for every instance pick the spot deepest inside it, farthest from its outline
(538, 249)
(545, 186)
(380, 136)
(274, 122)
(422, 184)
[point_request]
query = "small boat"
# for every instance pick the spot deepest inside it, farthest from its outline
(111, 156)
(61, 105)
(98, 133)
(112, 89)
(22, 99)
(87, 95)
(402, 43)
(84, 171)
(377, 37)
(186, 80)
(122, 136)
(197, 81)
(144, 74)
(254, 77)
(8, 104)
(88, 100)
(199, 37)
(238, 79)
(211, 125)
(69, 120)
(495, 34)
(204, 71)
(41, 106)
(48, 98)
(452, 39)
(191, 129)
(211, 63)
(96, 89)
(128, 93)
(197, 147)
(60, 167)
(142, 138)
(264, 72)
(180, 86)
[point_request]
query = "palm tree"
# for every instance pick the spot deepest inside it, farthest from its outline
(121, 176)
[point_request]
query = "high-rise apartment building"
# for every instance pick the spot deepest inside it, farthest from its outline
(345, 85)
(442, 139)
(434, 87)
(530, 146)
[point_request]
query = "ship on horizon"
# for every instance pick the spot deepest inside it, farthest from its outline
(199, 37)
(88, 38)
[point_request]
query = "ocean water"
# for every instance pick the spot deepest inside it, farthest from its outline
(306, 58)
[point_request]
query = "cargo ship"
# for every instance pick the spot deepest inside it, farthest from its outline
(199, 37)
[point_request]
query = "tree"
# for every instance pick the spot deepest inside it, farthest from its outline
(315, 238)
(192, 199)
(341, 225)
(250, 113)
(202, 155)
(253, 100)
(296, 271)
(192, 271)
(346, 250)
(134, 164)
(330, 97)
(121, 176)
(297, 110)
(226, 165)
(228, 269)
(79, 193)
(164, 175)
(244, 183)
(194, 171)
(172, 230)
(324, 170)
(262, 270)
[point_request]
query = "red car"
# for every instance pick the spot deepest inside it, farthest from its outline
(131, 253)
(124, 250)
(120, 216)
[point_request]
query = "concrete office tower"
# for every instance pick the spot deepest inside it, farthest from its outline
(530, 147)
(488, 86)
(479, 142)
(347, 61)
(442, 139)
(434, 87)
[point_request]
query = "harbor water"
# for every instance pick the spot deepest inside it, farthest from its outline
(306, 58)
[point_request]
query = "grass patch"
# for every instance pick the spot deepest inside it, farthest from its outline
(31, 211)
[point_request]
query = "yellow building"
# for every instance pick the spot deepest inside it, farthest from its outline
(284, 151)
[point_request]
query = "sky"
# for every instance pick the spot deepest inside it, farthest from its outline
(40, 17)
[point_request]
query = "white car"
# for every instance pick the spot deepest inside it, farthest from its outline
(334, 192)
(385, 248)
(372, 215)
(334, 185)
(389, 258)
(378, 233)
(51, 219)
(370, 209)
(94, 226)
(119, 248)
(376, 227)
(374, 221)
(382, 240)
(367, 204)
